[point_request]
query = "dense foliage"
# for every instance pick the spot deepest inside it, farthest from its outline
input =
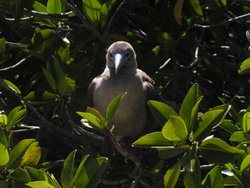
(195, 50)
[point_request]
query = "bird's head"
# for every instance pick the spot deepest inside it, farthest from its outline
(121, 55)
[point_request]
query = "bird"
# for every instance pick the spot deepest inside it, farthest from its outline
(119, 76)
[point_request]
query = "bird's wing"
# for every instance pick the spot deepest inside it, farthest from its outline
(90, 92)
(148, 84)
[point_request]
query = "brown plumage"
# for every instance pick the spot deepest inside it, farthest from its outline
(121, 75)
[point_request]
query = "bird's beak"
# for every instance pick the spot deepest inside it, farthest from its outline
(118, 62)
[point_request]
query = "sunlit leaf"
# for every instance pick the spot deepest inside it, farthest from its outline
(171, 176)
(54, 6)
(245, 164)
(175, 129)
(95, 112)
(15, 115)
(189, 103)
(246, 122)
(240, 136)
(196, 6)
(152, 140)
(92, 10)
(12, 86)
(214, 178)
(244, 66)
(91, 119)
(18, 151)
(160, 111)
(37, 6)
(217, 151)
(4, 157)
(68, 170)
(32, 155)
(113, 105)
(39, 184)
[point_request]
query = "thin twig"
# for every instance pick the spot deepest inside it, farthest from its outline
(112, 18)
(222, 23)
(16, 65)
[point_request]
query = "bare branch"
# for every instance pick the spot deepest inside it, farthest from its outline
(16, 65)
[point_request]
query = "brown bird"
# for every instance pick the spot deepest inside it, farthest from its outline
(121, 75)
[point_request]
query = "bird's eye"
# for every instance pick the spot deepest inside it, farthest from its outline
(127, 54)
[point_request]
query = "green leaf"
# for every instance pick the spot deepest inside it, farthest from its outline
(18, 151)
(244, 66)
(15, 115)
(112, 107)
(90, 175)
(49, 78)
(196, 6)
(4, 157)
(41, 97)
(92, 10)
(2, 46)
(91, 119)
(170, 152)
(152, 140)
(36, 174)
(39, 184)
(3, 119)
(161, 111)
(12, 86)
(32, 155)
(54, 7)
(245, 164)
(68, 170)
(95, 112)
(240, 136)
(214, 178)
(246, 122)
(188, 104)
(79, 170)
(175, 129)
(21, 175)
(194, 115)
(3, 139)
(209, 120)
(37, 6)
(217, 151)
(248, 35)
(171, 176)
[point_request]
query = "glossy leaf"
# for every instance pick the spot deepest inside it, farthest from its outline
(171, 176)
(3, 119)
(161, 111)
(2, 46)
(209, 120)
(217, 151)
(245, 164)
(12, 86)
(91, 119)
(240, 136)
(113, 105)
(54, 6)
(20, 174)
(68, 170)
(39, 7)
(170, 152)
(244, 66)
(246, 122)
(95, 112)
(214, 178)
(15, 115)
(36, 174)
(4, 157)
(189, 103)
(32, 155)
(92, 172)
(194, 114)
(175, 129)
(3, 138)
(92, 10)
(18, 151)
(79, 170)
(196, 6)
(39, 184)
(152, 140)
